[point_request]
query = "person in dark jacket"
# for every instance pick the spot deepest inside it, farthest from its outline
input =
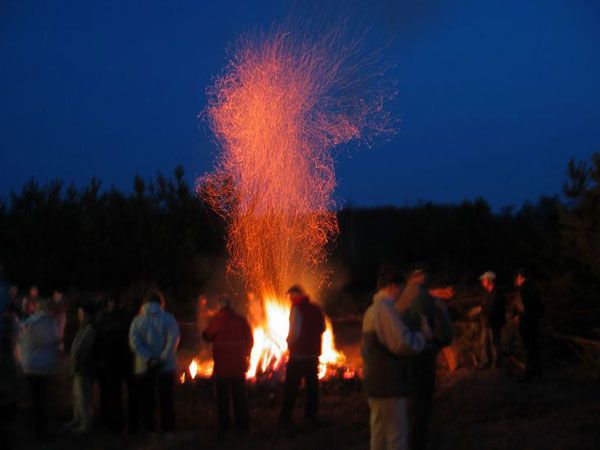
(84, 371)
(530, 311)
(232, 342)
(9, 330)
(115, 366)
(414, 304)
(307, 325)
(388, 349)
(493, 312)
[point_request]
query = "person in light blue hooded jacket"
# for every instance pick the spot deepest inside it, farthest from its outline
(153, 338)
(39, 344)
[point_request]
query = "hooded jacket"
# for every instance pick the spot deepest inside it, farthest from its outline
(154, 334)
(39, 343)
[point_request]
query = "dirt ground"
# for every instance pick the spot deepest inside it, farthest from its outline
(473, 410)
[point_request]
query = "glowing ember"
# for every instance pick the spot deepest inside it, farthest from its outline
(284, 102)
(193, 368)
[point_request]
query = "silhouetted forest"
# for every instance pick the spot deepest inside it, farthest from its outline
(96, 238)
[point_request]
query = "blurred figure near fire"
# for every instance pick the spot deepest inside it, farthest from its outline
(530, 311)
(28, 304)
(232, 341)
(84, 371)
(9, 329)
(307, 325)
(153, 338)
(416, 303)
(388, 377)
(13, 300)
(116, 366)
(39, 344)
(57, 307)
(493, 312)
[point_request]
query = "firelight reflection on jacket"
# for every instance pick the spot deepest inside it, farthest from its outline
(154, 333)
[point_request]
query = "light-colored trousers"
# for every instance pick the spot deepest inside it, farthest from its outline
(83, 408)
(389, 423)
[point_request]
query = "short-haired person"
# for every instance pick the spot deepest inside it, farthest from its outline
(530, 310)
(386, 343)
(84, 371)
(232, 341)
(493, 311)
(415, 303)
(153, 338)
(307, 325)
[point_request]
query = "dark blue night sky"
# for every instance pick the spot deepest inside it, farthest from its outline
(494, 96)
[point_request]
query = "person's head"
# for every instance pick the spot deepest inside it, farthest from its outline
(57, 295)
(34, 292)
(390, 280)
(521, 276)
(296, 293)
(488, 280)
(418, 273)
(85, 312)
(13, 291)
(38, 304)
(224, 302)
(155, 296)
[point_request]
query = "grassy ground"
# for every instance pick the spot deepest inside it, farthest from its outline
(473, 410)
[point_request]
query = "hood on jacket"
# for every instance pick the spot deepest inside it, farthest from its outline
(151, 309)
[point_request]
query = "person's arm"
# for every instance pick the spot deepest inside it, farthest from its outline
(211, 331)
(135, 341)
(295, 325)
(443, 332)
(172, 339)
(395, 335)
(86, 345)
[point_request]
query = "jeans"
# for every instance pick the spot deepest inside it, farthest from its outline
(296, 370)
(83, 408)
(163, 385)
(232, 389)
(491, 347)
(421, 401)
(389, 423)
(38, 388)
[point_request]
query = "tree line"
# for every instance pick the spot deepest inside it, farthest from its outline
(95, 239)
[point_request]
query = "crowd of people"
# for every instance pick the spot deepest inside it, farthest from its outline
(132, 349)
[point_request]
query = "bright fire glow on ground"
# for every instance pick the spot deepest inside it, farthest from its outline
(269, 353)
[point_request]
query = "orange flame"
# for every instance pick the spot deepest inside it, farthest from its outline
(281, 106)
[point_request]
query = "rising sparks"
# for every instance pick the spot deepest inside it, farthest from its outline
(284, 102)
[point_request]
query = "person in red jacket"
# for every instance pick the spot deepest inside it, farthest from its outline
(232, 342)
(307, 325)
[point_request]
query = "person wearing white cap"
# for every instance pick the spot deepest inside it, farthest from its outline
(492, 320)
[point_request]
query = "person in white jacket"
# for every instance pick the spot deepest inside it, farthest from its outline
(387, 346)
(153, 338)
(39, 344)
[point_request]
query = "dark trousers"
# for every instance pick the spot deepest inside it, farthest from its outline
(422, 400)
(529, 332)
(111, 384)
(161, 385)
(296, 370)
(38, 389)
(228, 390)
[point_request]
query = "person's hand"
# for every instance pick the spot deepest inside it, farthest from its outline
(426, 329)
